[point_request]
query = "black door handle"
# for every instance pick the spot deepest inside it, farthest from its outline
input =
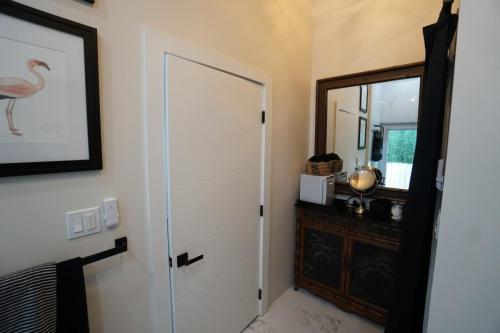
(183, 259)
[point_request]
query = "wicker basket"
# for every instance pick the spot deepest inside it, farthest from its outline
(324, 168)
(337, 165)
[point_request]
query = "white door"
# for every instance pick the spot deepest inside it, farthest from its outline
(214, 140)
(346, 137)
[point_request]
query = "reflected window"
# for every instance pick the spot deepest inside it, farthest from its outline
(397, 162)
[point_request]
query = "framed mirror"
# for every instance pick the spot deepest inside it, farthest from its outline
(370, 119)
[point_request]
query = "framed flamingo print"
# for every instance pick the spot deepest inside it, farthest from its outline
(49, 93)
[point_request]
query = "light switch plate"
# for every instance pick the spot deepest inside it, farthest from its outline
(111, 216)
(83, 222)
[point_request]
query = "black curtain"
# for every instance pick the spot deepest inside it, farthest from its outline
(407, 312)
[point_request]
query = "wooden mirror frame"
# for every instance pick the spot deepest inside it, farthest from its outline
(351, 80)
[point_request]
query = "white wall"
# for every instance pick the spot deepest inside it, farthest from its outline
(352, 36)
(465, 292)
(274, 35)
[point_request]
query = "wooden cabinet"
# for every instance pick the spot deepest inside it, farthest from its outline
(347, 259)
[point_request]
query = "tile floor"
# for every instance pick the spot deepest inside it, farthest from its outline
(302, 312)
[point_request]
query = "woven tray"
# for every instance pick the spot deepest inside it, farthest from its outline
(324, 168)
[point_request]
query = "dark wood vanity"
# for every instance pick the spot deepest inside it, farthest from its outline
(347, 259)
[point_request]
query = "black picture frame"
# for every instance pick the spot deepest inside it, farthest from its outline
(362, 132)
(91, 75)
(363, 98)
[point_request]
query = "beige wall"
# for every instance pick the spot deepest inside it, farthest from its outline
(352, 36)
(274, 35)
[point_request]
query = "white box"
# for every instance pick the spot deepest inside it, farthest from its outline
(317, 189)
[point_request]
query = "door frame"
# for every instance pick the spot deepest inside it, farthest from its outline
(155, 46)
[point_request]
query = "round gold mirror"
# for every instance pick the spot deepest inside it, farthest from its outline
(363, 182)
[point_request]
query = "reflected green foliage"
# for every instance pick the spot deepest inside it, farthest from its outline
(401, 146)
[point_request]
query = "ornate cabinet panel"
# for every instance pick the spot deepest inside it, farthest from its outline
(372, 269)
(323, 253)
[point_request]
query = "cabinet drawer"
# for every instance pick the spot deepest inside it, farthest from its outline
(381, 229)
(335, 220)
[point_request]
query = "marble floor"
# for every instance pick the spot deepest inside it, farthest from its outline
(302, 312)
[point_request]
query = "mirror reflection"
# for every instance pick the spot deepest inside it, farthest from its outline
(375, 125)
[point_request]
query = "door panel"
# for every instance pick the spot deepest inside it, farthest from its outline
(227, 305)
(185, 197)
(214, 159)
(207, 152)
(223, 252)
(218, 99)
(372, 272)
(346, 136)
(323, 253)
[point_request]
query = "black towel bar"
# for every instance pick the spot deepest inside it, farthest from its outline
(120, 247)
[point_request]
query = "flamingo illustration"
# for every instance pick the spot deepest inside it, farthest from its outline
(13, 88)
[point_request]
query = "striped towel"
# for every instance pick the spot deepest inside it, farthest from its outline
(28, 300)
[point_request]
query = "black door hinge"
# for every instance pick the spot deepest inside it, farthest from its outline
(263, 117)
(170, 261)
(260, 294)
(261, 210)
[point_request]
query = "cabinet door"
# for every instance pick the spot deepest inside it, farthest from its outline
(371, 274)
(322, 257)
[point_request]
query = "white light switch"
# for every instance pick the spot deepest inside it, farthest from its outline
(77, 226)
(91, 221)
(84, 222)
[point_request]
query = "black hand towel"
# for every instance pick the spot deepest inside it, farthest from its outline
(71, 300)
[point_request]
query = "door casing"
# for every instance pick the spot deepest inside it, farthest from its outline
(156, 45)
